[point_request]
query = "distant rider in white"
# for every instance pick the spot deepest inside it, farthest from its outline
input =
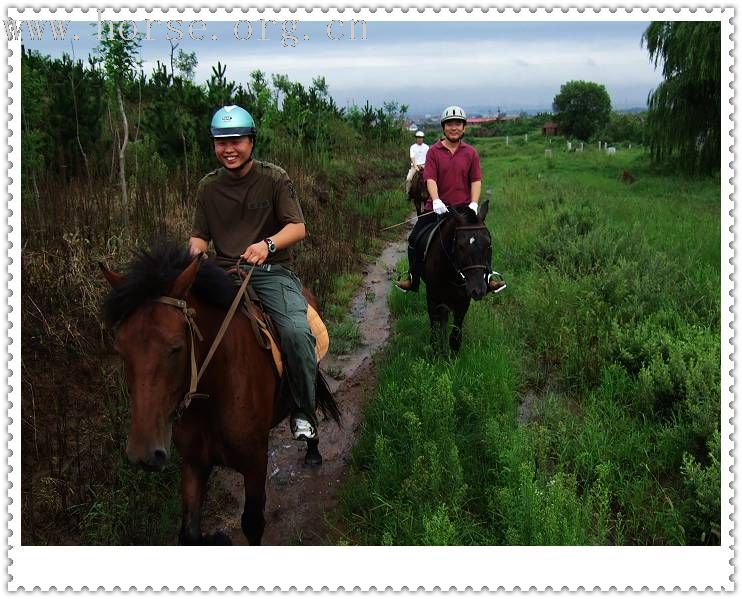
(418, 152)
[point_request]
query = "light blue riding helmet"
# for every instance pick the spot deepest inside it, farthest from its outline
(232, 121)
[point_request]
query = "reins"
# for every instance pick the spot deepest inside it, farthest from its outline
(190, 316)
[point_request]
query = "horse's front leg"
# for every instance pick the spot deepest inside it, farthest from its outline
(193, 480)
(253, 518)
(457, 332)
(438, 314)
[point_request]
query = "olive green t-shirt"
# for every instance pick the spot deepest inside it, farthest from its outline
(237, 212)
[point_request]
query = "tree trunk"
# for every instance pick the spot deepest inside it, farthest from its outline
(77, 127)
(114, 141)
(122, 161)
(185, 157)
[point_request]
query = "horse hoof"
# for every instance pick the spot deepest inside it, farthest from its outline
(217, 538)
(313, 457)
(313, 461)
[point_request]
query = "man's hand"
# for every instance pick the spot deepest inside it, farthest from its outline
(474, 206)
(439, 207)
(256, 253)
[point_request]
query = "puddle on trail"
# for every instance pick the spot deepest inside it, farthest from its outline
(300, 500)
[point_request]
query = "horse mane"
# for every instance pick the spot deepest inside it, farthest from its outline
(151, 274)
(468, 214)
(471, 216)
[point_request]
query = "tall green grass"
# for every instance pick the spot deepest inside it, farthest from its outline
(584, 407)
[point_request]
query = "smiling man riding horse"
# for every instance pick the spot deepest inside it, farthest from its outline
(454, 179)
(249, 209)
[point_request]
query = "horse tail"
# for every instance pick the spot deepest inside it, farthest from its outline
(325, 399)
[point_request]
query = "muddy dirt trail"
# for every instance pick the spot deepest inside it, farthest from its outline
(301, 501)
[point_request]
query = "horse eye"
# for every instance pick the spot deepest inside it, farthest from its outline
(175, 349)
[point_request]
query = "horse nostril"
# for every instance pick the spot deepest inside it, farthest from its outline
(160, 457)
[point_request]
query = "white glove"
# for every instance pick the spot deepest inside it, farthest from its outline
(474, 206)
(439, 207)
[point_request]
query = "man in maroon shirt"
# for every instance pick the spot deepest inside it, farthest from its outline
(454, 179)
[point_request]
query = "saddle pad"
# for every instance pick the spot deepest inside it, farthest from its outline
(318, 328)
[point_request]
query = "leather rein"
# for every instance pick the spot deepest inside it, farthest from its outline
(190, 317)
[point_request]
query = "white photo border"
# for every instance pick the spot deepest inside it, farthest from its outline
(364, 568)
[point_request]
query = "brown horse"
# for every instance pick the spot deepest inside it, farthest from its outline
(161, 309)
(456, 269)
(418, 193)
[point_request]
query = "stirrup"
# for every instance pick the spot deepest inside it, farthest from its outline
(408, 280)
(498, 278)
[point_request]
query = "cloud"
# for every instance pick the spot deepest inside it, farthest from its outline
(508, 61)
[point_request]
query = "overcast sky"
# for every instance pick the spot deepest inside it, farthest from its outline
(426, 65)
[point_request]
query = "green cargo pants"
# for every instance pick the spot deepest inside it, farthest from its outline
(280, 291)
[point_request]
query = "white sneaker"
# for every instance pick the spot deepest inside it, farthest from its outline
(302, 429)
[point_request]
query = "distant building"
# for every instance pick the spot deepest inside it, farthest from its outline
(500, 118)
(550, 128)
(481, 120)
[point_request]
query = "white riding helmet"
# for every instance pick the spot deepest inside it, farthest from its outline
(419, 134)
(453, 113)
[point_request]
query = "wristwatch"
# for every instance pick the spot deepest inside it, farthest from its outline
(271, 246)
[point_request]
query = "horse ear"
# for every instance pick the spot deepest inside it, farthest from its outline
(114, 279)
(185, 279)
(483, 210)
(459, 218)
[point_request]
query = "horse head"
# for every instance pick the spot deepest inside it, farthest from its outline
(154, 342)
(471, 249)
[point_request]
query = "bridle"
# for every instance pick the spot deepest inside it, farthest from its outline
(190, 317)
(452, 256)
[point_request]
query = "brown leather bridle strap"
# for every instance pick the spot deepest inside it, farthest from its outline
(190, 315)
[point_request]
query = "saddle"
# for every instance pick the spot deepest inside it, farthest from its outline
(267, 336)
(421, 243)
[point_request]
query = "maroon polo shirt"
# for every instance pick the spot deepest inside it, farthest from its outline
(454, 173)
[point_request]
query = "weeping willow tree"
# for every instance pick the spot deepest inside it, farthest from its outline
(684, 116)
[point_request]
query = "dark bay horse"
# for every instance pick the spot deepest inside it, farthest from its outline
(167, 310)
(456, 269)
(418, 194)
